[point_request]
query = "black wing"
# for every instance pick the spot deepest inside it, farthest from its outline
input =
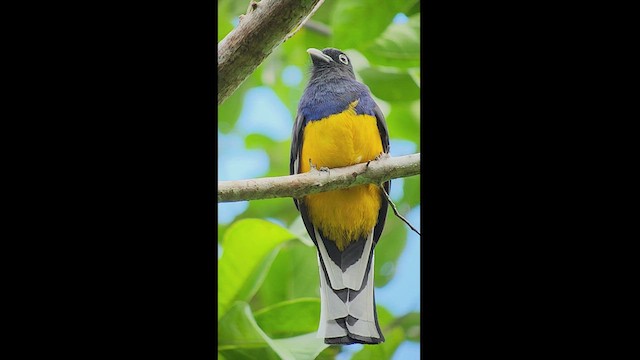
(384, 136)
(382, 128)
(294, 168)
(296, 147)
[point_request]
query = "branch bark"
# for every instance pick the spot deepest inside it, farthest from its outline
(315, 181)
(265, 26)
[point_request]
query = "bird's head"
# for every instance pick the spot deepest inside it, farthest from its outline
(330, 61)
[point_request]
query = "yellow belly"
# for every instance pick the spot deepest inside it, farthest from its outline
(336, 141)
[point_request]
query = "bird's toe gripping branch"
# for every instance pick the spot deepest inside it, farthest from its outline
(313, 167)
(380, 156)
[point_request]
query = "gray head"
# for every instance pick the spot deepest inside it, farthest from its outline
(330, 62)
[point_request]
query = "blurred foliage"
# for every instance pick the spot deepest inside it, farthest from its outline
(268, 285)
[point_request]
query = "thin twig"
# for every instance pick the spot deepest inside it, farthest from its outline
(313, 11)
(395, 210)
(318, 27)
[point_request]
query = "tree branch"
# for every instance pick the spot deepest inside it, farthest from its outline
(315, 181)
(265, 26)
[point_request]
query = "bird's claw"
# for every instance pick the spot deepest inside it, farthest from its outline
(380, 156)
(313, 167)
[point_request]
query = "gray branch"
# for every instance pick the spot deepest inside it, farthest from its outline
(315, 181)
(265, 26)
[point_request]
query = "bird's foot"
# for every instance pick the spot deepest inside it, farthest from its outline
(380, 156)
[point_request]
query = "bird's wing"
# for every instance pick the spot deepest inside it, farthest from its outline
(384, 136)
(296, 148)
(382, 128)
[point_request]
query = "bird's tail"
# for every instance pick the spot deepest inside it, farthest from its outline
(348, 316)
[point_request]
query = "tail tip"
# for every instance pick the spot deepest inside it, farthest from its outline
(353, 339)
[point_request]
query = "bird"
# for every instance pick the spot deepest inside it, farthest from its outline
(337, 124)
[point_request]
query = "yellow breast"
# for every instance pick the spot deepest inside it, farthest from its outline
(335, 141)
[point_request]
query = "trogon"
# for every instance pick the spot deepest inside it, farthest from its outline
(339, 124)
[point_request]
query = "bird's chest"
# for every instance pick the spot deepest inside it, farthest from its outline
(340, 140)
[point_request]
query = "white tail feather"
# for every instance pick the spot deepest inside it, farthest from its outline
(333, 270)
(331, 308)
(353, 276)
(364, 329)
(360, 307)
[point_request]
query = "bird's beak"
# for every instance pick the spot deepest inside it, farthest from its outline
(317, 54)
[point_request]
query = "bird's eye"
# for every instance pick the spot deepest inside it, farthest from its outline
(344, 59)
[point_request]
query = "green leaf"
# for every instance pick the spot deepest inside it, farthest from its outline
(394, 335)
(224, 19)
(258, 141)
(240, 337)
(249, 247)
(281, 208)
(303, 347)
(329, 353)
(293, 274)
(403, 120)
(230, 110)
(279, 161)
(278, 152)
(237, 8)
(357, 23)
(289, 318)
(300, 230)
(411, 325)
(358, 60)
(311, 38)
(398, 46)
(385, 318)
(388, 250)
(415, 75)
(404, 6)
(325, 12)
(390, 84)
(222, 228)
(414, 9)
(412, 190)
(384, 351)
